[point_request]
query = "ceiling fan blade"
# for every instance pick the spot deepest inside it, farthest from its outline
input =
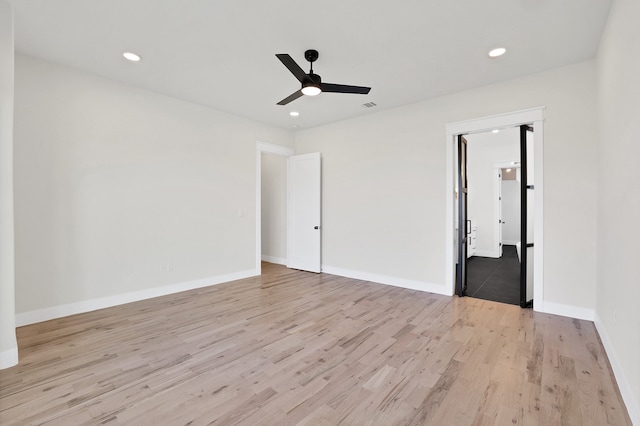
(343, 88)
(292, 66)
(291, 97)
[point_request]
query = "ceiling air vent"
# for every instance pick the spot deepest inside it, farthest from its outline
(369, 105)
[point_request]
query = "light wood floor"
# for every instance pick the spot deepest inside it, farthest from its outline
(298, 348)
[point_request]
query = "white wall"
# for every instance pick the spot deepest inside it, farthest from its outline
(618, 282)
(511, 211)
(120, 190)
(483, 151)
(8, 344)
(384, 184)
(274, 208)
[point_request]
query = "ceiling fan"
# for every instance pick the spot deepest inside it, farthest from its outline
(311, 83)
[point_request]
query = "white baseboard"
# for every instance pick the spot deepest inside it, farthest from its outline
(8, 358)
(60, 311)
(566, 310)
(509, 243)
(492, 254)
(383, 279)
(273, 259)
(633, 405)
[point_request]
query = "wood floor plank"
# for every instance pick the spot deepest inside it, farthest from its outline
(290, 348)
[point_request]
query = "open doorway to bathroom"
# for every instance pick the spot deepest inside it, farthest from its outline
(493, 164)
(528, 123)
(492, 264)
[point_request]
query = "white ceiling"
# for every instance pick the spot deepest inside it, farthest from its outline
(221, 53)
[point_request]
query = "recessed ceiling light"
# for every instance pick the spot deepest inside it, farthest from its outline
(294, 113)
(495, 130)
(497, 52)
(508, 170)
(131, 56)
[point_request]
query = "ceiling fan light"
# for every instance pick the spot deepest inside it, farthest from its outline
(311, 90)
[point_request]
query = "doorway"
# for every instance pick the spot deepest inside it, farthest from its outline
(271, 203)
(492, 265)
(288, 207)
(470, 127)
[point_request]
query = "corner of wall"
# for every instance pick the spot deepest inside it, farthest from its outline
(633, 406)
(8, 342)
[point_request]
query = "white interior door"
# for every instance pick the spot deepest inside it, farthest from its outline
(303, 212)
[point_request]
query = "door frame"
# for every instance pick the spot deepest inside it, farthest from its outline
(497, 207)
(269, 148)
(534, 117)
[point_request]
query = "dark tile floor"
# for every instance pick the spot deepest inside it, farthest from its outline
(495, 279)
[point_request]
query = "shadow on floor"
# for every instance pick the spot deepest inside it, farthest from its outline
(495, 279)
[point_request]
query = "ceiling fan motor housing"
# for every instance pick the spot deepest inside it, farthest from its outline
(311, 55)
(312, 78)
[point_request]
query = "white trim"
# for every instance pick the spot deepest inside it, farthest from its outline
(566, 310)
(258, 210)
(271, 149)
(8, 358)
(499, 121)
(8, 343)
(60, 311)
(273, 259)
(633, 405)
(538, 213)
(533, 116)
(509, 243)
(450, 254)
(388, 280)
(507, 164)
